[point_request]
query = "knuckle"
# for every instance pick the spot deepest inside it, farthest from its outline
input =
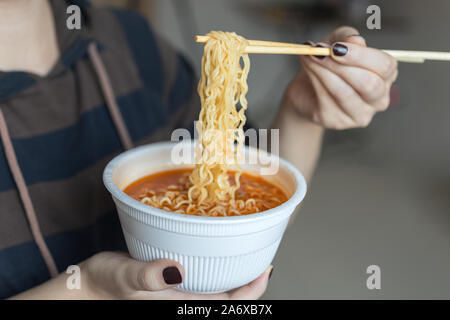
(143, 278)
(384, 104)
(338, 125)
(342, 126)
(373, 86)
(364, 121)
(394, 77)
(335, 121)
(394, 64)
(385, 67)
(389, 66)
(104, 256)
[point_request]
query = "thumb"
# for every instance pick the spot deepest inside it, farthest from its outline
(255, 289)
(153, 276)
(346, 34)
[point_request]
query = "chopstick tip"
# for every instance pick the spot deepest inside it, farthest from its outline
(199, 38)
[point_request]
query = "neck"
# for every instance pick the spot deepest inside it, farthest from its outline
(13, 12)
(27, 36)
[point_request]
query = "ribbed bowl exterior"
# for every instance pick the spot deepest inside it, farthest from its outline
(208, 274)
(218, 254)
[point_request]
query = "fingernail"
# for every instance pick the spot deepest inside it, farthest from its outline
(270, 274)
(340, 50)
(309, 43)
(172, 275)
(319, 46)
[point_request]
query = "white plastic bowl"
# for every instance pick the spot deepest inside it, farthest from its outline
(217, 253)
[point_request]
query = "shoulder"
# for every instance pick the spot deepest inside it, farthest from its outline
(146, 47)
(129, 35)
(159, 65)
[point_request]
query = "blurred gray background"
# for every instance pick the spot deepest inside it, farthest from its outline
(380, 195)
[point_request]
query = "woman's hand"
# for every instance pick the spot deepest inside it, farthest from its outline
(344, 90)
(112, 275)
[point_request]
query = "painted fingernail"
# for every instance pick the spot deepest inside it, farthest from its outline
(270, 274)
(319, 46)
(340, 50)
(172, 275)
(309, 43)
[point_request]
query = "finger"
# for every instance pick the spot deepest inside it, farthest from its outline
(392, 79)
(174, 294)
(369, 85)
(251, 291)
(344, 95)
(153, 276)
(387, 98)
(355, 39)
(254, 290)
(329, 114)
(345, 33)
(374, 60)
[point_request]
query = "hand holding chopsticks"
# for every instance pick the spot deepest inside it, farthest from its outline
(271, 47)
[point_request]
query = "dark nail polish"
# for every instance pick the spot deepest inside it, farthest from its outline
(339, 50)
(270, 274)
(309, 43)
(172, 275)
(319, 46)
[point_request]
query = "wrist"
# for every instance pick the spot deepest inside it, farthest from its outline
(289, 109)
(295, 102)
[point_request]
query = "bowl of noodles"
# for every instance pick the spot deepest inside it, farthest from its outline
(218, 252)
(222, 212)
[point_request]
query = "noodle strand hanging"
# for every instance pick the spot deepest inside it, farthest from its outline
(216, 186)
(222, 86)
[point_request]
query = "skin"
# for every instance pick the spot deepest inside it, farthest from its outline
(334, 93)
(115, 275)
(28, 37)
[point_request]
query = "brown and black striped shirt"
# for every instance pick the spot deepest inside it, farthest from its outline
(63, 136)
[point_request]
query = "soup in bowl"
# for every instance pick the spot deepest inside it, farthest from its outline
(218, 252)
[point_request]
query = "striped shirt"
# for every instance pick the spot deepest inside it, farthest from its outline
(63, 136)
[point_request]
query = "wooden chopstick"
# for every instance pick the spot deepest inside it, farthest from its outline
(307, 50)
(271, 47)
(419, 55)
(260, 43)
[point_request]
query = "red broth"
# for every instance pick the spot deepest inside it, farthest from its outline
(171, 184)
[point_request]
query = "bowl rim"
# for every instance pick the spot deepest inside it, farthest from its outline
(118, 194)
